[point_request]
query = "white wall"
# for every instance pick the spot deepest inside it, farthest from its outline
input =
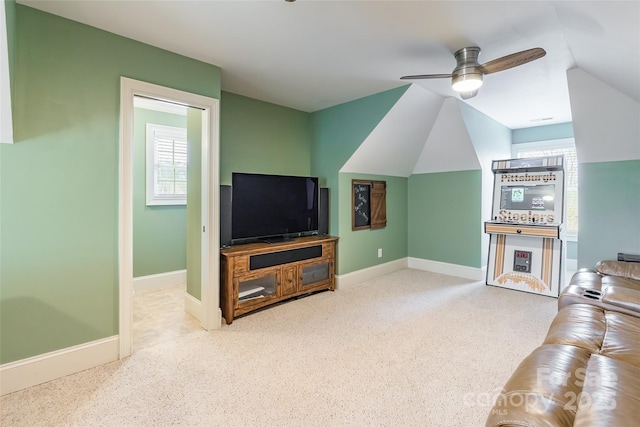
(6, 120)
(606, 122)
(394, 145)
(448, 147)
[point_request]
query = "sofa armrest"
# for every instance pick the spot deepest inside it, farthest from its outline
(628, 299)
(629, 270)
(542, 389)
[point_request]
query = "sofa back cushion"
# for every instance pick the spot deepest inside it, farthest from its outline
(629, 270)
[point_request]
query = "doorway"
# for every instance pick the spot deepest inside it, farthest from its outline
(166, 220)
(206, 307)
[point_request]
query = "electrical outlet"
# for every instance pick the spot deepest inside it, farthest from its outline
(379, 252)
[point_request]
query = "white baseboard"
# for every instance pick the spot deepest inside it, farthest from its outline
(193, 306)
(464, 271)
(40, 369)
(345, 280)
(162, 280)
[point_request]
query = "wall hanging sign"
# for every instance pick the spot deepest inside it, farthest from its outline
(368, 204)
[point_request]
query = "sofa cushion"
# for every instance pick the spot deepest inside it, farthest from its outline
(622, 282)
(542, 390)
(581, 325)
(611, 394)
(617, 297)
(609, 273)
(629, 270)
(622, 338)
(610, 333)
(587, 279)
(628, 299)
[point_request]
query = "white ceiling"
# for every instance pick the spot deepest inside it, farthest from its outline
(311, 55)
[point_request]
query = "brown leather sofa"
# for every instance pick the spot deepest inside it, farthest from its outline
(613, 286)
(587, 370)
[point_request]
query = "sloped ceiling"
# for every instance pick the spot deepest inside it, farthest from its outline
(397, 141)
(422, 133)
(448, 147)
(606, 121)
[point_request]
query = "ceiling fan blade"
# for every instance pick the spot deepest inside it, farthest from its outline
(426, 76)
(467, 95)
(513, 60)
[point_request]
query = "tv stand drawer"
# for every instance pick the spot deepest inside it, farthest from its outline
(240, 265)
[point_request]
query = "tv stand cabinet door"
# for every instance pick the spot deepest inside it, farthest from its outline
(316, 276)
(288, 284)
(255, 290)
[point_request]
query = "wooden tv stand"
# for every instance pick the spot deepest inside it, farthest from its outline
(256, 275)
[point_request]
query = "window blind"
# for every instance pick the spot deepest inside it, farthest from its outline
(167, 159)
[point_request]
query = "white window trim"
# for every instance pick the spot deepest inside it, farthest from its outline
(542, 145)
(6, 120)
(152, 199)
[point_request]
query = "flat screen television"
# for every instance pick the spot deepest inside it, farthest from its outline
(273, 207)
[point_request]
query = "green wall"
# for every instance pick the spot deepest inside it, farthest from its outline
(59, 181)
(609, 209)
(159, 232)
(444, 217)
(337, 133)
(260, 137)
(359, 249)
(542, 133)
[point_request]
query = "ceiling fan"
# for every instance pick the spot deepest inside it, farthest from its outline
(466, 78)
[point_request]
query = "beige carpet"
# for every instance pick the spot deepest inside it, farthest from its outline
(159, 315)
(409, 348)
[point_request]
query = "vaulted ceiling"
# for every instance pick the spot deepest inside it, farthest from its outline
(310, 55)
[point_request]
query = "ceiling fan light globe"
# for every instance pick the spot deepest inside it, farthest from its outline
(466, 82)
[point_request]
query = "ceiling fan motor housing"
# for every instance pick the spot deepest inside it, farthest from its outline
(467, 76)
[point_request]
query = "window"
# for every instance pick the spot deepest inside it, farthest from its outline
(166, 165)
(556, 147)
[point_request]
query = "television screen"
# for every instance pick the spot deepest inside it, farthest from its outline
(538, 197)
(264, 206)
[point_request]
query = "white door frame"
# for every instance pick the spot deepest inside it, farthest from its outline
(211, 315)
